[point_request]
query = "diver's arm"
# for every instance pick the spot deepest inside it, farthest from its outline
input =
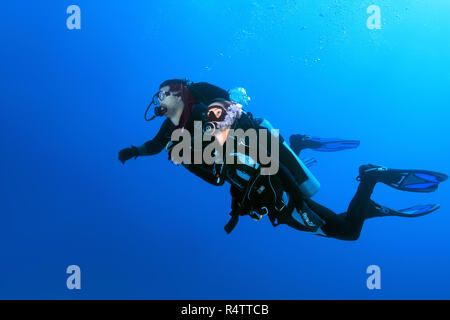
(154, 146)
(157, 144)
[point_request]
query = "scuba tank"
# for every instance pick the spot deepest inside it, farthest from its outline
(305, 180)
(307, 184)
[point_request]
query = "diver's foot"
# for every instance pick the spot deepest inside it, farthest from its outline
(405, 180)
(372, 173)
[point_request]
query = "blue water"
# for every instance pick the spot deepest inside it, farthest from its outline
(71, 99)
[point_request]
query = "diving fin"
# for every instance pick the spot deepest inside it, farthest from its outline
(405, 180)
(412, 212)
(300, 142)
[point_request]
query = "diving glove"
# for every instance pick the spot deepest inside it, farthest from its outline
(128, 153)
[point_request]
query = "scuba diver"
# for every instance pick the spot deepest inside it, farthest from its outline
(285, 196)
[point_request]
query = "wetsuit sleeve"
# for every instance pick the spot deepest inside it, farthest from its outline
(157, 144)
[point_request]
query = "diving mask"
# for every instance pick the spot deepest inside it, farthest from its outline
(159, 109)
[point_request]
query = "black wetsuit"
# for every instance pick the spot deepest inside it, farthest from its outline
(347, 225)
(344, 226)
(159, 142)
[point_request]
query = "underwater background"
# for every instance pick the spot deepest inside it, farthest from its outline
(71, 99)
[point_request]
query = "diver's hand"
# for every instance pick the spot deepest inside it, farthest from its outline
(128, 153)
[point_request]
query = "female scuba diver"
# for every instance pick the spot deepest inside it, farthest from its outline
(284, 196)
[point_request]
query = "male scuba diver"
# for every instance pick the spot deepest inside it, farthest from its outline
(285, 196)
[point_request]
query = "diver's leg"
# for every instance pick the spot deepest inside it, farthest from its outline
(347, 226)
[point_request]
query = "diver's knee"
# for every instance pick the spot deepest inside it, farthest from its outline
(345, 235)
(354, 235)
